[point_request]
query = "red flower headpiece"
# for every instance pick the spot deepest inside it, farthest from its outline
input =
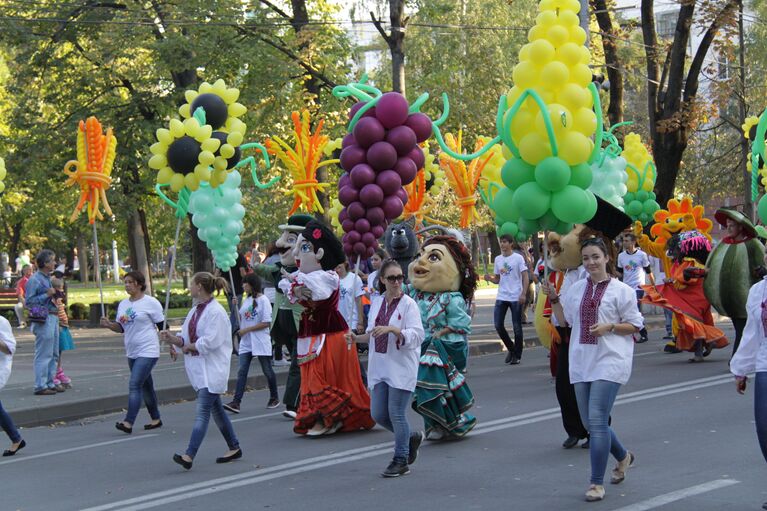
(316, 234)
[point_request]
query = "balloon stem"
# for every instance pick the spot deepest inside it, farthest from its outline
(98, 267)
(171, 266)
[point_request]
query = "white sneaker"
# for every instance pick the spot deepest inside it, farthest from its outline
(290, 414)
(595, 492)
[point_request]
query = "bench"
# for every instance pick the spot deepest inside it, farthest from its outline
(8, 298)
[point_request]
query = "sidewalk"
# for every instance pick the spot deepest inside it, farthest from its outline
(99, 372)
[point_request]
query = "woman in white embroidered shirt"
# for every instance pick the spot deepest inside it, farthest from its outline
(206, 343)
(751, 357)
(396, 332)
(603, 314)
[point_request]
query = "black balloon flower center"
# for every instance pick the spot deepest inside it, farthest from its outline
(216, 111)
(183, 153)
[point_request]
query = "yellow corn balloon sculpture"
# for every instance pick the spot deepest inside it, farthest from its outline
(93, 168)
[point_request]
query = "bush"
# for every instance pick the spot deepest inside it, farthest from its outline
(178, 299)
(78, 311)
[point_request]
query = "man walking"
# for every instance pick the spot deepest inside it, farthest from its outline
(634, 266)
(45, 324)
(511, 275)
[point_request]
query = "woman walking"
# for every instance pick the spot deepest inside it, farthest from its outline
(7, 348)
(603, 315)
(395, 326)
(138, 317)
(255, 318)
(752, 357)
(206, 341)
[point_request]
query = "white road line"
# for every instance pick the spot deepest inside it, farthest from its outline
(668, 498)
(243, 419)
(75, 449)
(182, 493)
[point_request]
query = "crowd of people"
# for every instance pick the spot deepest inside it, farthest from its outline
(305, 302)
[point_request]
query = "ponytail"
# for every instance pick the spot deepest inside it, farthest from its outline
(210, 283)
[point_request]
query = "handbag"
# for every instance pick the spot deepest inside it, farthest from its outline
(38, 313)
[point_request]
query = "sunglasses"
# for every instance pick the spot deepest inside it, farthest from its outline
(592, 241)
(395, 278)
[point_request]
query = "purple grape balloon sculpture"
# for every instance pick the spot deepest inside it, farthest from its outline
(379, 155)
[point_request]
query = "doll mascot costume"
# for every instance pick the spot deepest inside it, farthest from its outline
(333, 396)
(286, 315)
(683, 295)
(442, 282)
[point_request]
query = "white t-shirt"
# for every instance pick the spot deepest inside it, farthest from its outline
(398, 367)
(611, 357)
(138, 320)
(253, 312)
(6, 361)
(510, 268)
(373, 285)
(657, 269)
(633, 266)
(572, 275)
(351, 288)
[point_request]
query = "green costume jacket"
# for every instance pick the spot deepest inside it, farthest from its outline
(271, 273)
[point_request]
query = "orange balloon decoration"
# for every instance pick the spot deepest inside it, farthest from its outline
(302, 162)
(462, 179)
(419, 202)
(92, 169)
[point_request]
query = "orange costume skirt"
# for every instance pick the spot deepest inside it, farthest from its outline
(692, 311)
(332, 390)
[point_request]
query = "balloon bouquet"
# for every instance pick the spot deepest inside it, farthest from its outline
(197, 159)
(92, 173)
(755, 130)
(640, 198)
(380, 154)
(609, 172)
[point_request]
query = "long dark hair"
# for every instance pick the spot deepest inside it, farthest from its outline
(254, 282)
(385, 265)
(462, 259)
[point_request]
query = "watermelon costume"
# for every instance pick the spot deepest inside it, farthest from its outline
(732, 269)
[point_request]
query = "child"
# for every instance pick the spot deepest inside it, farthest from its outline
(66, 342)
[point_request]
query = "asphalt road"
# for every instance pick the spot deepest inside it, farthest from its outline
(693, 437)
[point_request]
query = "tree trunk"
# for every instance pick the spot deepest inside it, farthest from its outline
(82, 258)
(612, 61)
(495, 247)
(138, 246)
(202, 259)
(14, 243)
(397, 44)
(668, 148)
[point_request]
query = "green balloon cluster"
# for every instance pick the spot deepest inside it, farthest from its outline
(550, 196)
(217, 213)
(641, 206)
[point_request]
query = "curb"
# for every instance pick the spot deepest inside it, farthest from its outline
(103, 405)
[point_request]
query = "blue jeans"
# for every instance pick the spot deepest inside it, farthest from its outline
(46, 351)
(242, 376)
(208, 404)
(388, 406)
(499, 320)
(760, 410)
(7, 424)
(595, 400)
(141, 385)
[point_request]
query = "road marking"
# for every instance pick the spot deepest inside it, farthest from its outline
(668, 498)
(243, 419)
(186, 492)
(75, 449)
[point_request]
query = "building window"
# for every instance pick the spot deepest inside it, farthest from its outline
(665, 24)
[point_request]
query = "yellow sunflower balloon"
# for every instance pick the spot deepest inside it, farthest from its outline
(183, 154)
(222, 113)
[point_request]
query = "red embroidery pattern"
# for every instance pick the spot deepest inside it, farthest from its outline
(590, 309)
(382, 319)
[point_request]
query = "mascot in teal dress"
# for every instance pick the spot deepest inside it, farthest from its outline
(442, 282)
